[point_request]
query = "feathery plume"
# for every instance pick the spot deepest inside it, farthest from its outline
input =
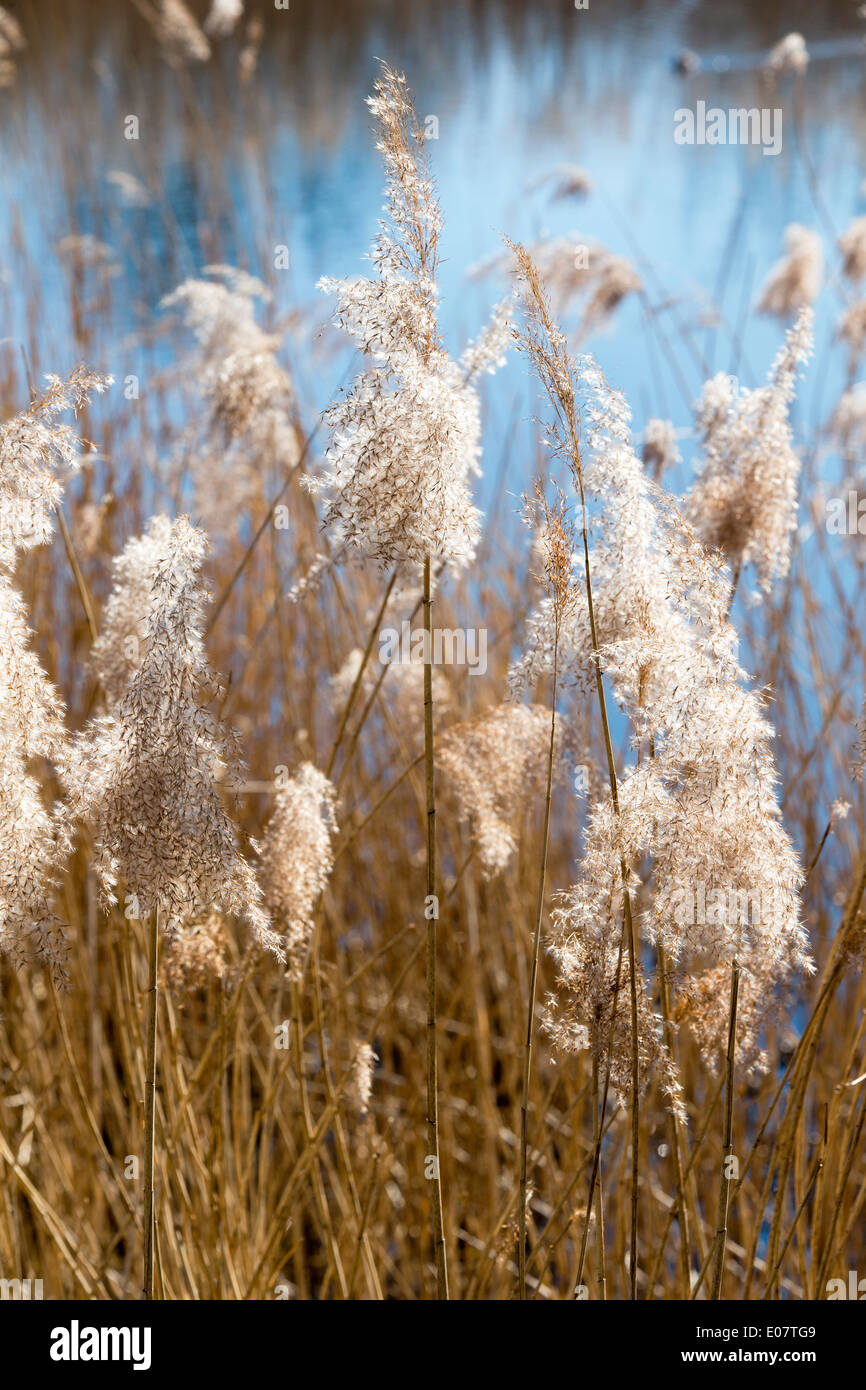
(858, 766)
(702, 808)
(851, 328)
(361, 1080)
(790, 54)
(571, 268)
(196, 954)
(11, 42)
(251, 429)
(795, 280)
(405, 437)
(569, 181)
(132, 191)
(487, 353)
(249, 54)
(35, 838)
(223, 16)
(178, 32)
(852, 244)
(296, 857)
(496, 764)
(744, 499)
(703, 1007)
(402, 690)
(849, 417)
(36, 452)
(660, 449)
(149, 771)
(119, 649)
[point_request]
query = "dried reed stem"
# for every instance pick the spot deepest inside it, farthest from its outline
(601, 1273)
(533, 987)
(432, 916)
(676, 1140)
(150, 1102)
(626, 891)
(356, 684)
(724, 1176)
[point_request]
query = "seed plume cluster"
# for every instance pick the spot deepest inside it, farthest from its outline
(495, 764)
(406, 435)
(151, 769)
(296, 856)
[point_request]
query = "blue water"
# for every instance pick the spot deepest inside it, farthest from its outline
(515, 94)
(516, 90)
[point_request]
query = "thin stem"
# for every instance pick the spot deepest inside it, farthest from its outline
(150, 1103)
(601, 1274)
(626, 893)
(81, 586)
(816, 1170)
(598, 1131)
(263, 526)
(682, 1205)
(431, 910)
(533, 987)
(356, 684)
(725, 1173)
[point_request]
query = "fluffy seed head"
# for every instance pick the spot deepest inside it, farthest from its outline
(297, 857)
(149, 772)
(744, 501)
(195, 955)
(795, 280)
(405, 437)
(496, 765)
(119, 649)
(790, 54)
(361, 1081)
(37, 453)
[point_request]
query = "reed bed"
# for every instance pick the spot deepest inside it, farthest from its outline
(328, 978)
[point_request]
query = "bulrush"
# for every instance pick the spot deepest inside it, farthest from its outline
(744, 499)
(150, 770)
(297, 857)
(36, 451)
(495, 765)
